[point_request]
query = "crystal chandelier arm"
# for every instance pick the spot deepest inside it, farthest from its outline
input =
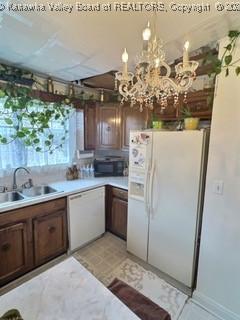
(169, 85)
(151, 81)
(167, 67)
(123, 90)
(185, 83)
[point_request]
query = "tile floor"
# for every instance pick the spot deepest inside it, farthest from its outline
(192, 311)
(104, 255)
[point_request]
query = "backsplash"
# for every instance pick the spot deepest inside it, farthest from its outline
(46, 175)
(38, 175)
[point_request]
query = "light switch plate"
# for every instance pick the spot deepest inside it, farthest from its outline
(218, 187)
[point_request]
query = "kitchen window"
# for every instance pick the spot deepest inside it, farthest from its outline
(16, 154)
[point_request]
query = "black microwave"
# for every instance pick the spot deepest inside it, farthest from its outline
(107, 167)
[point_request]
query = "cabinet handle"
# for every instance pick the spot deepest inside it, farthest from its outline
(121, 193)
(76, 197)
(6, 246)
(51, 229)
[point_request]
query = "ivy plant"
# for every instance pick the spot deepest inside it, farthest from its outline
(14, 73)
(226, 62)
(30, 119)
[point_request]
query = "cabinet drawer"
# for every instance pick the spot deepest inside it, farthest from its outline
(30, 212)
(50, 206)
(120, 193)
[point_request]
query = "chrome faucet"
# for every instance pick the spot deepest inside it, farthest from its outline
(3, 189)
(14, 186)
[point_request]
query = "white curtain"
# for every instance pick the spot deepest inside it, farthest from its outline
(16, 154)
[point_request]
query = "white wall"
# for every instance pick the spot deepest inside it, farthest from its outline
(218, 285)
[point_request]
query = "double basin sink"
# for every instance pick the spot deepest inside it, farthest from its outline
(32, 192)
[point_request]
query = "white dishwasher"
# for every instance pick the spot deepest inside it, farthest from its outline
(86, 217)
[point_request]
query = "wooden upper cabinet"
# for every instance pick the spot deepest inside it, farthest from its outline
(170, 112)
(131, 119)
(200, 103)
(90, 127)
(15, 256)
(108, 126)
(50, 236)
(108, 119)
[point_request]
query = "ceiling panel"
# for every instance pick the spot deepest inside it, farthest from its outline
(53, 57)
(82, 44)
(24, 35)
(74, 72)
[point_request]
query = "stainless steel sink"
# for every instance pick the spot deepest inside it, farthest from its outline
(37, 191)
(25, 193)
(10, 197)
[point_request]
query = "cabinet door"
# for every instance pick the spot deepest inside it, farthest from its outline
(108, 126)
(200, 103)
(14, 251)
(90, 123)
(119, 217)
(132, 119)
(170, 112)
(50, 236)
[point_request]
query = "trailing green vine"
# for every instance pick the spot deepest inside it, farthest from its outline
(29, 118)
(226, 62)
(10, 73)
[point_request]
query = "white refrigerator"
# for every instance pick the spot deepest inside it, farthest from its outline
(166, 188)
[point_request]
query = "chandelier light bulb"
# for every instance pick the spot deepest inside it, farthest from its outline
(147, 33)
(157, 62)
(125, 56)
(185, 54)
(186, 45)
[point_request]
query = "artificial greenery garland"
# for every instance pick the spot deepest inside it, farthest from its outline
(226, 62)
(30, 126)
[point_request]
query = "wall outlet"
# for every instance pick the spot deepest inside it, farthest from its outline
(218, 187)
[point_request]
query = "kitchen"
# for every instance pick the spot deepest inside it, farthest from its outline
(106, 209)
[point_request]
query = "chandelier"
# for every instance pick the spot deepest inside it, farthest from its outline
(152, 79)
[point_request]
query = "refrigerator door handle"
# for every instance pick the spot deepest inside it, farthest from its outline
(150, 196)
(146, 194)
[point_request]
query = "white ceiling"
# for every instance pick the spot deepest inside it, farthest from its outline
(78, 45)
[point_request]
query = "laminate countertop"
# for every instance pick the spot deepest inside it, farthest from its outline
(66, 188)
(65, 291)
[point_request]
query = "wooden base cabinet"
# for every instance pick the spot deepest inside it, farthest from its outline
(14, 251)
(119, 217)
(50, 237)
(31, 236)
(117, 208)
